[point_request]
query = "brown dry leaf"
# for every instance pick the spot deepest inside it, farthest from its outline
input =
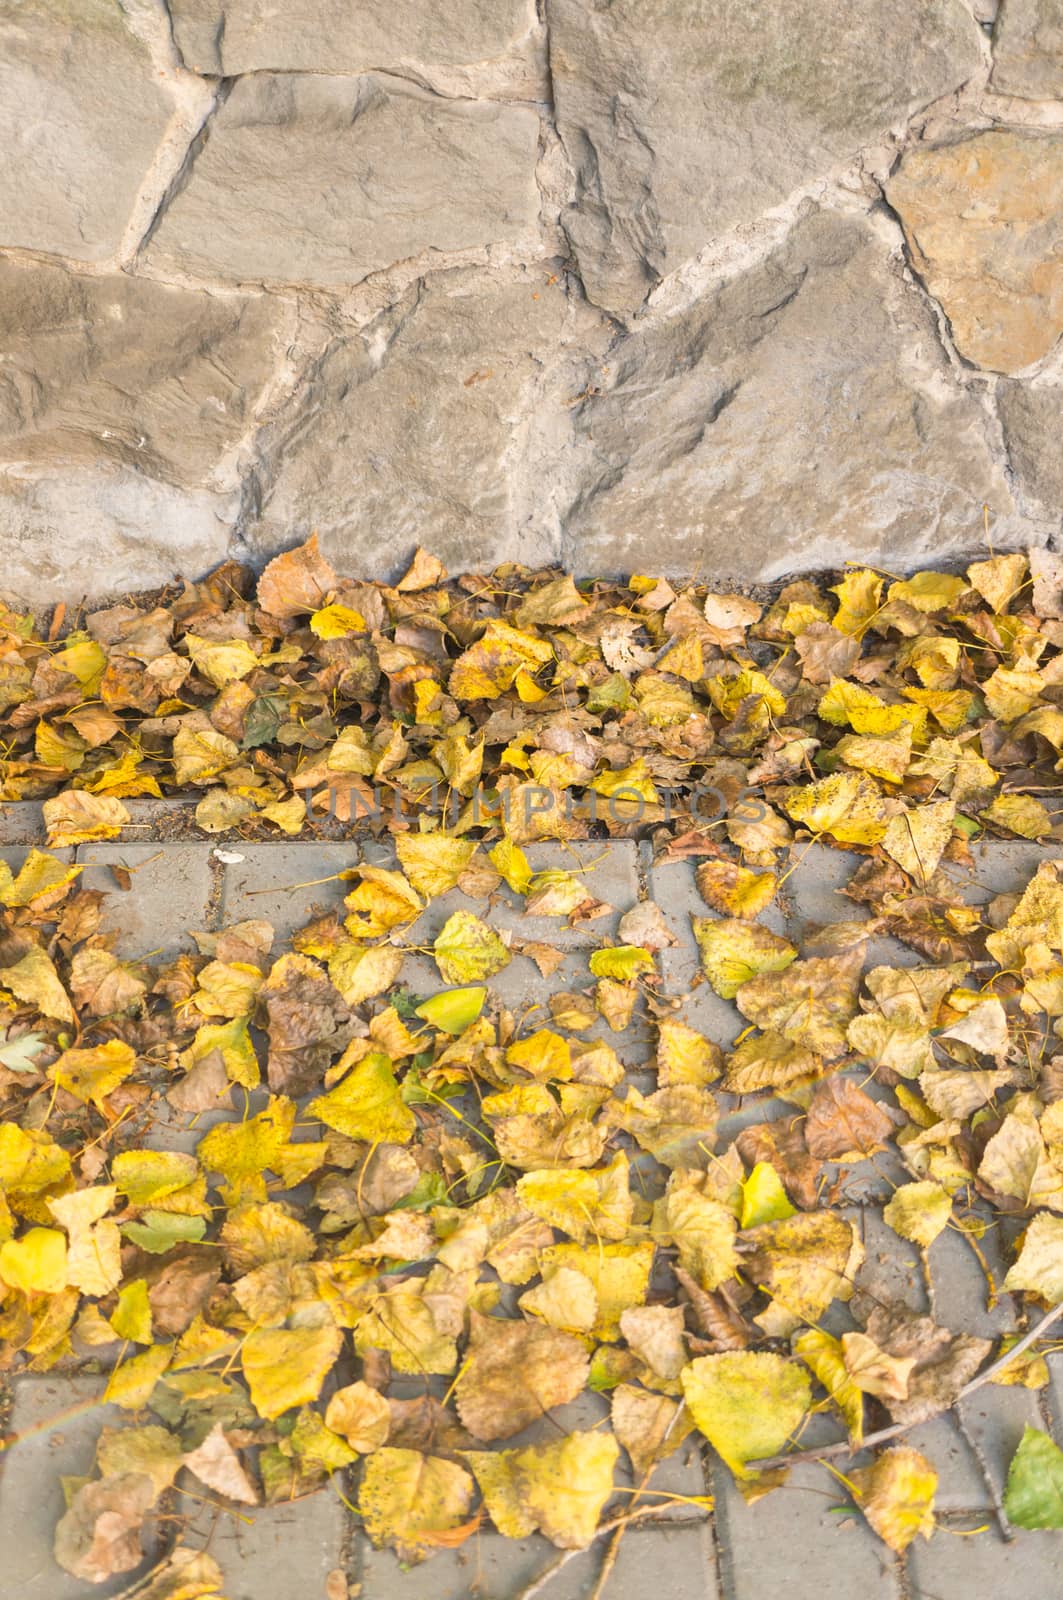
(811, 1004)
(516, 1372)
(844, 1123)
(100, 1533)
(216, 1464)
(648, 1426)
(297, 582)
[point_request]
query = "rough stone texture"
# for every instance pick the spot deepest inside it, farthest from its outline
(982, 222)
(81, 115)
(323, 180)
(1028, 49)
(119, 402)
(431, 425)
(122, 370)
(798, 411)
(683, 118)
(104, 530)
(233, 36)
(525, 280)
(1033, 420)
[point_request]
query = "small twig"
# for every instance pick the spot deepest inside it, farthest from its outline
(1007, 1532)
(845, 1447)
(538, 1584)
(613, 1550)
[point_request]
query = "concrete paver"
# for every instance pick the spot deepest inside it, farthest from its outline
(170, 894)
(792, 1541)
(65, 1426)
(285, 884)
(282, 1552)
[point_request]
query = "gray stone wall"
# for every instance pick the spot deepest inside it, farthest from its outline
(726, 287)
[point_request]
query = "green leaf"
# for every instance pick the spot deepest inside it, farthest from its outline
(158, 1231)
(452, 1010)
(1033, 1497)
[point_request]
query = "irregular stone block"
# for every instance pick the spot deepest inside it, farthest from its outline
(1033, 419)
(684, 117)
(104, 532)
(125, 370)
(233, 36)
(981, 218)
(798, 412)
(322, 180)
(1028, 49)
(414, 431)
(82, 112)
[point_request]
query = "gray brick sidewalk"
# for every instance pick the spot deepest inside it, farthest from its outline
(794, 1542)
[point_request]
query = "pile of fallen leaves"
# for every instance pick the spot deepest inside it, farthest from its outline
(431, 1190)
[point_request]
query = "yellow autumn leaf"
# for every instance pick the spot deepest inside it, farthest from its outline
(410, 1500)
(823, 1356)
(467, 950)
(232, 1041)
(811, 1003)
(36, 1263)
(336, 621)
(39, 880)
(621, 962)
(916, 839)
(566, 1483)
(221, 662)
(132, 1383)
(35, 980)
(859, 595)
(844, 703)
(567, 1299)
(433, 862)
(91, 1075)
(1020, 814)
(367, 1104)
(131, 1317)
(919, 1212)
(685, 1056)
(503, 1498)
(620, 1274)
(896, 1495)
(152, 1177)
(361, 1415)
(735, 891)
(286, 1367)
(847, 805)
(596, 1203)
(1039, 1267)
(700, 1227)
(999, 579)
(763, 1197)
(748, 1404)
(928, 591)
(885, 756)
(509, 860)
(361, 972)
(543, 1055)
(488, 668)
(733, 951)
